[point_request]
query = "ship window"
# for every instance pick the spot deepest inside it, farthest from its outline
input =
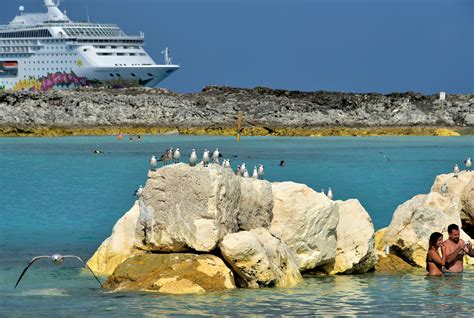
(133, 74)
(111, 75)
(118, 75)
(149, 74)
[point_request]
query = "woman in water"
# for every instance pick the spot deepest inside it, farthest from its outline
(435, 261)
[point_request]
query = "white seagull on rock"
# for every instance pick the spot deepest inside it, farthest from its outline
(193, 158)
(245, 174)
(227, 164)
(138, 192)
(255, 173)
(205, 157)
(176, 155)
(57, 259)
(261, 171)
(468, 164)
(444, 189)
(243, 168)
(153, 163)
(456, 170)
(215, 156)
(329, 194)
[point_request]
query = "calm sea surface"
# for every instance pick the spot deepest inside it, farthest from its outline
(56, 195)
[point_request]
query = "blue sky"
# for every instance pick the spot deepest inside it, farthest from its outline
(337, 45)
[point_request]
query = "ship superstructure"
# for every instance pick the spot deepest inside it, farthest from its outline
(40, 51)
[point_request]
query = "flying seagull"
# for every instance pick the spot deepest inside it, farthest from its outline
(385, 156)
(57, 259)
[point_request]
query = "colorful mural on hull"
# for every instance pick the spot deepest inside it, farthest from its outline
(70, 80)
(52, 80)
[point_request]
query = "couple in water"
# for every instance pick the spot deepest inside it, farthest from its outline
(448, 254)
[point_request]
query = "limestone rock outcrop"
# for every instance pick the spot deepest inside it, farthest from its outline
(119, 246)
(173, 273)
(187, 208)
(355, 247)
(259, 259)
(415, 220)
(306, 221)
(256, 204)
(460, 190)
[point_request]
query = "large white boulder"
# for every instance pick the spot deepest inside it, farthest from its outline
(119, 246)
(458, 192)
(355, 248)
(306, 221)
(259, 259)
(256, 204)
(188, 208)
(415, 220)
(467, 203)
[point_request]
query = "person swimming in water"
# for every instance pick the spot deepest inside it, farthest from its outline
(435, 261)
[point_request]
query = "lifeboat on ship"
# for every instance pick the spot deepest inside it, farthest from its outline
(10, 65)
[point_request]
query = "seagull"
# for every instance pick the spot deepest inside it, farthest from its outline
(169, 155)
(193, 158)
(243, 168)
(205, 157)
(215, 156)
(322, 191)
(260, 171)
(227, 164)
(138, 192)
(329, 194)
(237, 171)
(444, 189)
(456, 170)
(223, 163)
(57, 259)
(385, 156)
(176, 155)
(245, 174)
(468, 164)
(97, 151)
(255, 173)
(153, 163)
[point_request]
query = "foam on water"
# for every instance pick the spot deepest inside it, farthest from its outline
(50, 292)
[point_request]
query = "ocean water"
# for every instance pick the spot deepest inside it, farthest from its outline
(57, 196)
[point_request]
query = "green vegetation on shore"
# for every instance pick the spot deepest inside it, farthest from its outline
(246, 131)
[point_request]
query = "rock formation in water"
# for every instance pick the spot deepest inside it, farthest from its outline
(218, 107)
(265, 232)
(414, 221)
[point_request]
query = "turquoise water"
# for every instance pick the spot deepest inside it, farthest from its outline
(57, 196)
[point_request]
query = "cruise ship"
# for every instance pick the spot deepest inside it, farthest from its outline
(42, 51)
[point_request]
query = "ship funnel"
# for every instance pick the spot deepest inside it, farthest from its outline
(21, 9)
(54, 14)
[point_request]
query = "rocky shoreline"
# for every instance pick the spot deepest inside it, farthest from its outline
(214, 110)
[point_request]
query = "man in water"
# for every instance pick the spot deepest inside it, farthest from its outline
(455, 250)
